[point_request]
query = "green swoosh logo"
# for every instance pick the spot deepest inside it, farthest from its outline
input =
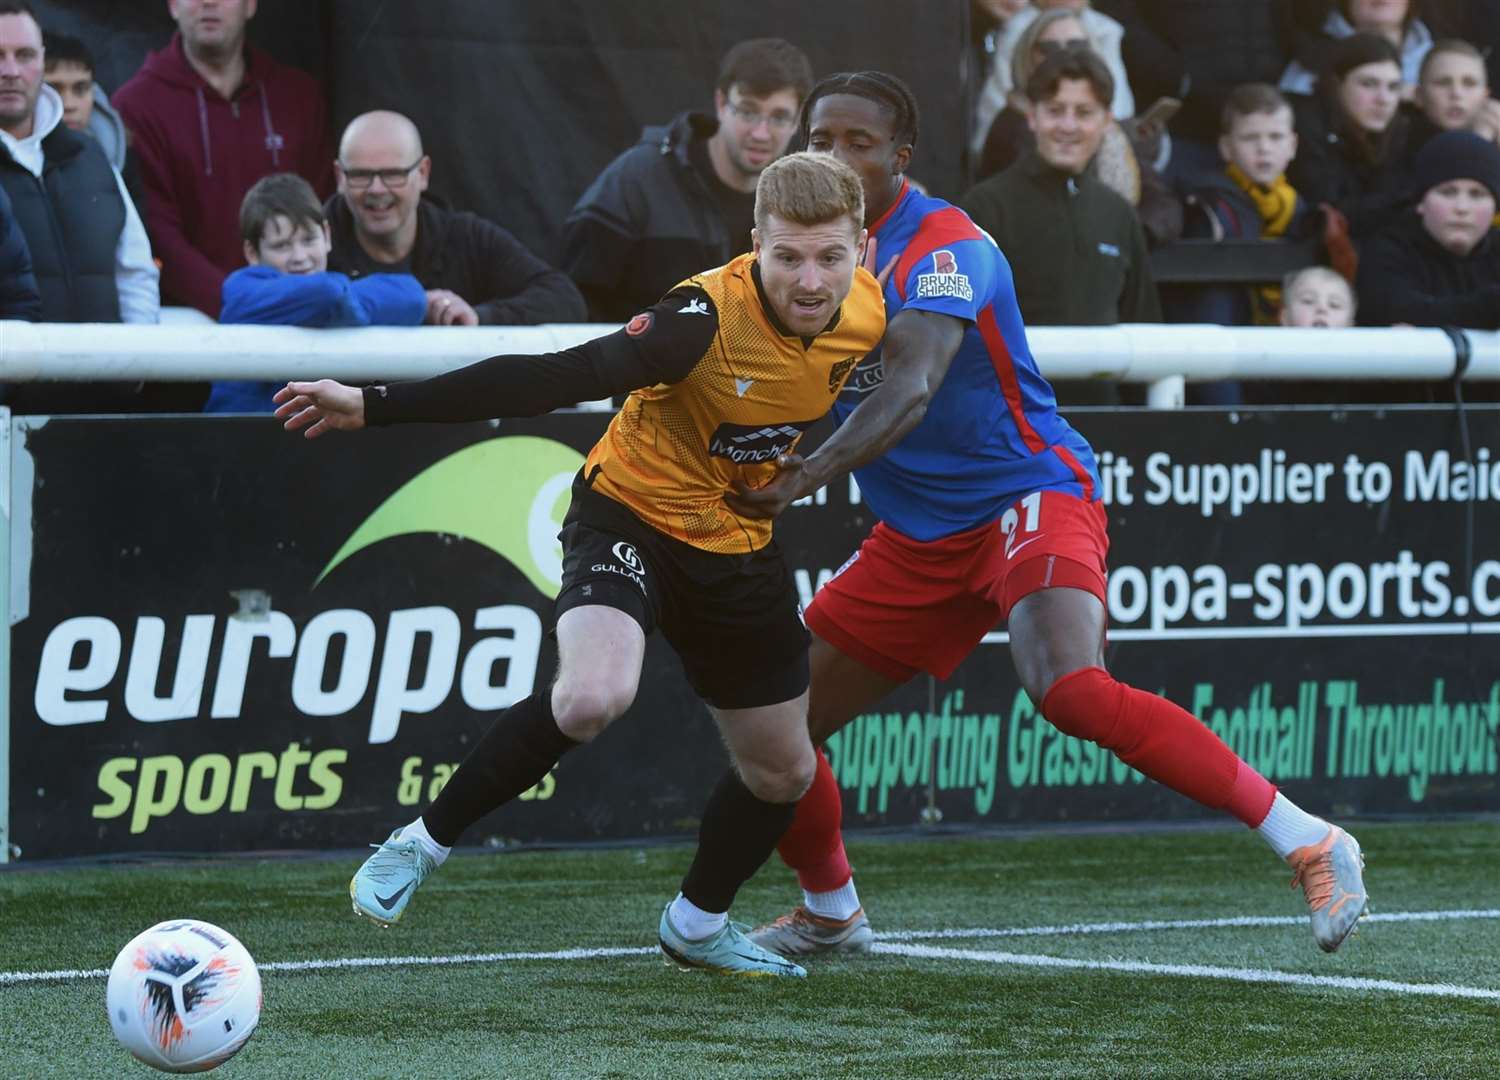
(508, 494)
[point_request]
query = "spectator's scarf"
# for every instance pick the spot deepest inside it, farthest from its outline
(1275, 205)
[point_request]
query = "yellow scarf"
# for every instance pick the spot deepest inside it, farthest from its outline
(1275, 204)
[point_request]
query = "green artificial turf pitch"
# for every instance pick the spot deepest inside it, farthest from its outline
(981, 1005)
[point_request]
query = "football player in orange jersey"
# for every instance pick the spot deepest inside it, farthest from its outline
(723, 375)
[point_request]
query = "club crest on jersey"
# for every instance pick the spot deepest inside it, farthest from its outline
(837, 373)
(639, 325)
(945, 280)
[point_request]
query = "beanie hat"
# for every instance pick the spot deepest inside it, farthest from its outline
(1458, 155)
(1357, 50)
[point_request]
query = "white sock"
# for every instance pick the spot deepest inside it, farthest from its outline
(417, 831)
(692, 922)
(1288, 827)
(839, 904)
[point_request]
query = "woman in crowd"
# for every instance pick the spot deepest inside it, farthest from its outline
(1104, 36)
(1009, 135)
(1351, 138)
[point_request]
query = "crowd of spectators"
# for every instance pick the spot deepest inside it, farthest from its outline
(1358, 138)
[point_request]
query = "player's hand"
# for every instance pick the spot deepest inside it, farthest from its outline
(320, 407)
(788, 485)
(447, 308)
(869, 263)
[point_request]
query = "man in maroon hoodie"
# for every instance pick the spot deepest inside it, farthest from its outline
(210, 115)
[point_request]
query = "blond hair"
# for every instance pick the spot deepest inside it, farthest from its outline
(809, 189)
(1319, 273)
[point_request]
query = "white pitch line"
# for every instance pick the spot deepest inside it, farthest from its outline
(10, 978)
(1171, 924)
(1197, 971)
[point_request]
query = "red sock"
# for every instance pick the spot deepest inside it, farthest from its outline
(814, 845)
(1162, 740)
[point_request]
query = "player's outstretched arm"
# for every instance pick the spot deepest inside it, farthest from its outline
(916, 351)
(318, 407)
(660, 345)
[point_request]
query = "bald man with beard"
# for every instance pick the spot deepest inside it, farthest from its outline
(474, 271)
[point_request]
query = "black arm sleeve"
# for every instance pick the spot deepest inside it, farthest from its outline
(660, 345)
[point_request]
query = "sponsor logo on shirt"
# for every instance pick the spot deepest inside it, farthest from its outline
(639, 325)
(865, 379)
(748, 444)
(945, 280)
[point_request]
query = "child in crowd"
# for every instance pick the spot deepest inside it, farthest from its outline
(68, 67)
(1250, 199)
(1454, 94)
(1439, 264)
(1317, 297)
(288, 283)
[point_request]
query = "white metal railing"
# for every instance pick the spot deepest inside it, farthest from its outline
(1164, 356)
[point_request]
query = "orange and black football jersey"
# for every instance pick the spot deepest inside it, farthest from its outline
(675, 448)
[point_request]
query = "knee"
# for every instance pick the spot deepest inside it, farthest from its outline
(780, 782)
(583, 711)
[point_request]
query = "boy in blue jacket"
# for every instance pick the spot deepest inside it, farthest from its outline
(288, 283)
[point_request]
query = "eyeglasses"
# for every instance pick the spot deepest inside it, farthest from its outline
(394, 179)
(1052, 48)
(776, 121)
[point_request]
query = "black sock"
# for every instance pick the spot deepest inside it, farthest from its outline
(517, 751)
(738, 834)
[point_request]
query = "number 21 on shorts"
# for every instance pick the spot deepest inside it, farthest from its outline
(1032, 505)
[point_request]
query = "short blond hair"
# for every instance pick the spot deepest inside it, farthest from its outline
(809, 189)
(1324, 274)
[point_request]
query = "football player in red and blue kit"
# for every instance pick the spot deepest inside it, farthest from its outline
(989, 510)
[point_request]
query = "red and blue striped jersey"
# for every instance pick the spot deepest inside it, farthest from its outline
(992, 434)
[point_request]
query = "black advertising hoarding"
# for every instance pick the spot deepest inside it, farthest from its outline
(225, 637)
(1321, 588)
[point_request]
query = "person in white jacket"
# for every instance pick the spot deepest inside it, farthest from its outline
(1391, 19)
(1104, 37)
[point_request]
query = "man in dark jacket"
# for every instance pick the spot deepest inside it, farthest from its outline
(1439, 264)
(1075, 247)
(19, 298)
(209, 116)
(684, 197)
(475, 272)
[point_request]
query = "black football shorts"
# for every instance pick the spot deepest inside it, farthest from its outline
(733, 619)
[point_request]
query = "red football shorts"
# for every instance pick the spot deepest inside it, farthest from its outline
(902, 606)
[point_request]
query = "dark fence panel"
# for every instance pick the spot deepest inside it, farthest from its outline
(229, 638)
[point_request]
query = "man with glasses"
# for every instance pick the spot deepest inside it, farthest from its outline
(474, 271)
(683, 197)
